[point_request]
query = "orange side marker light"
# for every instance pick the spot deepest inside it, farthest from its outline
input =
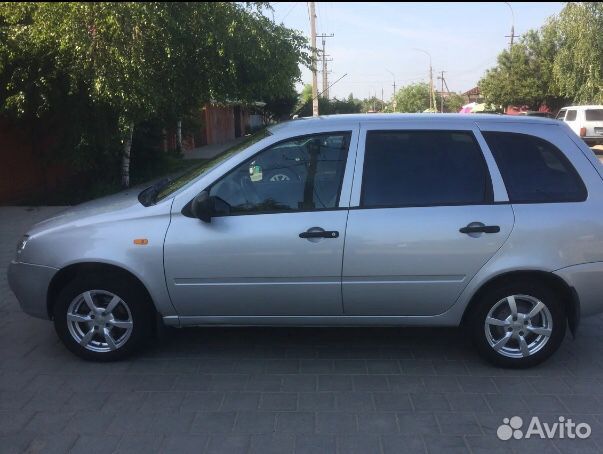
(141, 241)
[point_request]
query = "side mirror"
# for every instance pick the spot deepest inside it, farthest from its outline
(204, 206)
(201, 206)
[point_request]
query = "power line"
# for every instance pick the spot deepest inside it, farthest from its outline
(328, 14)
(319, 94)
(320, 16)
(289, 12)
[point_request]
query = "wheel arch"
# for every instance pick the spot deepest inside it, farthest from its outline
(568, 293)
(70, 272)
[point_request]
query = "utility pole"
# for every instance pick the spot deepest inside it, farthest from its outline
(432, 101)
(394, 96)
(382, 101)
(325, 71)
(314, 76)
(325, 76)
(512, 35)
(442, 91)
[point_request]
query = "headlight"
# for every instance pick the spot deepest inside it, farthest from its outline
(21, 245)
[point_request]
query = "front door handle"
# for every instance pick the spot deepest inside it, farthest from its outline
(315, 233)
(478, 227)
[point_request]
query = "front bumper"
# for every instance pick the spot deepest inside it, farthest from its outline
(30, 284)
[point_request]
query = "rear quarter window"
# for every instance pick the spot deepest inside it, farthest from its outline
(594, 114)
(534, 170)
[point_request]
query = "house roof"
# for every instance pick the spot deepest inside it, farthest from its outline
(472, 92)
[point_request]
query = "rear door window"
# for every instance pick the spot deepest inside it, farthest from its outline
(534, 170)
(424, 168)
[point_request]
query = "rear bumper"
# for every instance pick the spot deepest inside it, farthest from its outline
(30, 284)
(587, 282)
(593, 140)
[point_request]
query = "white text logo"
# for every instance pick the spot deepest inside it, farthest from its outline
(562, 428)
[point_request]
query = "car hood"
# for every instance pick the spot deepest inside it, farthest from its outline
(114, 207)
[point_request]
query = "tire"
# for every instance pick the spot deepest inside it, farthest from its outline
(129, 324)
(534, 297)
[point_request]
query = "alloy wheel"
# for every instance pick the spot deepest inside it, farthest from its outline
(99, 321)
(518, 326)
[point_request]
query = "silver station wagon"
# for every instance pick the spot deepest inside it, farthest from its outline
(490, 223)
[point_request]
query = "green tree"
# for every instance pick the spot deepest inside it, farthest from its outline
(578, 64)
(523, 75)
(138, 61)
(453, 103)
(560, 63)
(345, 106)
(372, 104)
(412, 98)
(281, 107)
(304, 98)
(326, 106)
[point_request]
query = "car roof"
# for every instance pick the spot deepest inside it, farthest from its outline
(346, 120)
(591, 106)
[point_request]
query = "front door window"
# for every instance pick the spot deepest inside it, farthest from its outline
(302, 174)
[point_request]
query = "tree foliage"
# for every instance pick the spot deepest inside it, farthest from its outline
(453, 103)
(412, 98)
(524, 75)
(560, 63)
(372, 104)
(578, 66)
(325, 106)
(129, 63)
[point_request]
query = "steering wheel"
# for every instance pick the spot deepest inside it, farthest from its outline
(283, 175)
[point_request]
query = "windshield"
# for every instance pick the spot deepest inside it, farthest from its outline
(166, 187)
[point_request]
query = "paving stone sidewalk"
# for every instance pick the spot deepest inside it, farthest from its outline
(281, 390)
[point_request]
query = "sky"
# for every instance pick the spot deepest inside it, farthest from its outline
(463, 39)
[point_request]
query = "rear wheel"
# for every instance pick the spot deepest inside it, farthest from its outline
(103, 318)
(518, 324)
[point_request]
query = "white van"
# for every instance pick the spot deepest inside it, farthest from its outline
(586, 121)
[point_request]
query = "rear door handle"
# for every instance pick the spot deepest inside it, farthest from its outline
(480, 228)
(312, 233)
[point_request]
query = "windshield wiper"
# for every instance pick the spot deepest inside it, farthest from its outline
(148, 196)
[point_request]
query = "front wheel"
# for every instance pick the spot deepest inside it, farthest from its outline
(518, 324)
(102, 319)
